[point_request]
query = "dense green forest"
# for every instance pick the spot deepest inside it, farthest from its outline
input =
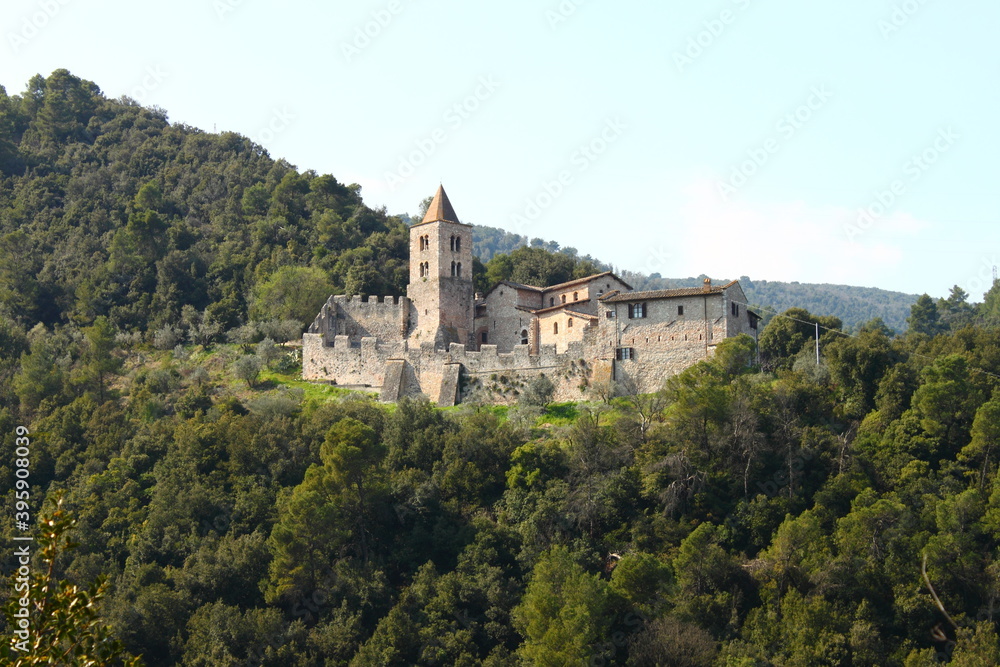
(761, 509)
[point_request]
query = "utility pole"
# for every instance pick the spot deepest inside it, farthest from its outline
(817, 343)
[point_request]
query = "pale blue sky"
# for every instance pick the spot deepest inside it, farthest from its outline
(674, 100)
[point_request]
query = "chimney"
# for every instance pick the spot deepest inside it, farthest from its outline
(708, 285)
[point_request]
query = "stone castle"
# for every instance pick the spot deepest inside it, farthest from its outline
(445, 341)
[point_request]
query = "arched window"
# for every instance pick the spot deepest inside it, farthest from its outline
(458, 244)
(453, 269)
(576, 296)
(569, 323)
(421, 269)
(552, 301)
(524, 336)
(564, 298)
(458, 270)
(452, 244)
(555, 327)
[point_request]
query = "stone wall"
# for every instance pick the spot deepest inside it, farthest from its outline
(426, 369)
(738, 324)
(443, 301)
(385, 319)
(561, 327)
(582, 296)
(503, 322)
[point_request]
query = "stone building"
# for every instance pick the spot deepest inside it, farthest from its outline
(444, 341)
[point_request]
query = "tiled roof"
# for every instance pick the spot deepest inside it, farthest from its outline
(666, 293)
(440, 209)
(580, 281)
(511, 283)
(560, 286)
(559, 306)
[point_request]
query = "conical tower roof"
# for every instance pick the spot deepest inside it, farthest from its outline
(440, 209)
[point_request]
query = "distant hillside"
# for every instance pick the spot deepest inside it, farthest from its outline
(853, 305)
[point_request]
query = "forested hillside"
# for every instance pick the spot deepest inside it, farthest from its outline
(761, 509)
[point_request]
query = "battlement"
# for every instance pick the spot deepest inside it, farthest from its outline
(373, 304)
(386, 318)
(366, 362)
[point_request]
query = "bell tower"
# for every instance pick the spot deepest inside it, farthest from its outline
(440, 286)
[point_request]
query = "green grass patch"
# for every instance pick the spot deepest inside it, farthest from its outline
(560, 414)
(311, 391)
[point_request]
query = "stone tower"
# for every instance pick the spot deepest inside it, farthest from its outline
(440, 286)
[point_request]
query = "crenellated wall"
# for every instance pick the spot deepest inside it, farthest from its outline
(426, 369)
(386, 319)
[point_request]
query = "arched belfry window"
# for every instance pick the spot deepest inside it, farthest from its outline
(569, 323)
(458, 244)
(524, 336)
(451, 243)
(458, 270)
(421, 269)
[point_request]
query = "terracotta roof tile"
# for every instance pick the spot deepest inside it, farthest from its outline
(440, 209)
(666, 293)
(560, 306)
(579, 281)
